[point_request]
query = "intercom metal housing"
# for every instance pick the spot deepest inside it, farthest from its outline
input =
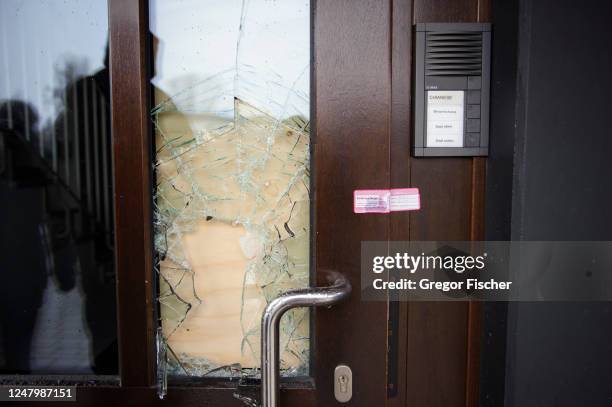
(452, 87)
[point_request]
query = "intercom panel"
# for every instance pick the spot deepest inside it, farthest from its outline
(452, 87)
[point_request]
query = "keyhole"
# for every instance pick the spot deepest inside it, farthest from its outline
(343, 380)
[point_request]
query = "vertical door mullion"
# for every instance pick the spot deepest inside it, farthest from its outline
(128, 29)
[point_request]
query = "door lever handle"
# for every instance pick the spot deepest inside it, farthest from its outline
(338, 290)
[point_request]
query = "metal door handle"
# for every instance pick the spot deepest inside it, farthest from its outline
(339, 290)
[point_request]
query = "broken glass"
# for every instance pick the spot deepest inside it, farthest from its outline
(232, 191)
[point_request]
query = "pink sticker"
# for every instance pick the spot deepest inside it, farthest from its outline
(371, 200)
(386, 200)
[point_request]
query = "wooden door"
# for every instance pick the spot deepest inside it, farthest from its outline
(350, 102)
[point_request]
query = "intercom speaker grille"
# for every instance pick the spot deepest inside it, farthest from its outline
(454, 53)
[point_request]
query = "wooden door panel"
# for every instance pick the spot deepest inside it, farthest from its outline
(351, 102)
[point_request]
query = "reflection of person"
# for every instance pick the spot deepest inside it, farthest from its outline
(23, 234)
(57, 219)
(86, 124)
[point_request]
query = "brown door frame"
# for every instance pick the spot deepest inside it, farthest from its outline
(131, 133)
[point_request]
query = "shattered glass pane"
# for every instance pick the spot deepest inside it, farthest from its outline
(232, 193)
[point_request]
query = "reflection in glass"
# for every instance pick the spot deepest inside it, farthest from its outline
(232, 166)
(57, 300)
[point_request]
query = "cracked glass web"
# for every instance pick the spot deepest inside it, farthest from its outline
(232, 190)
